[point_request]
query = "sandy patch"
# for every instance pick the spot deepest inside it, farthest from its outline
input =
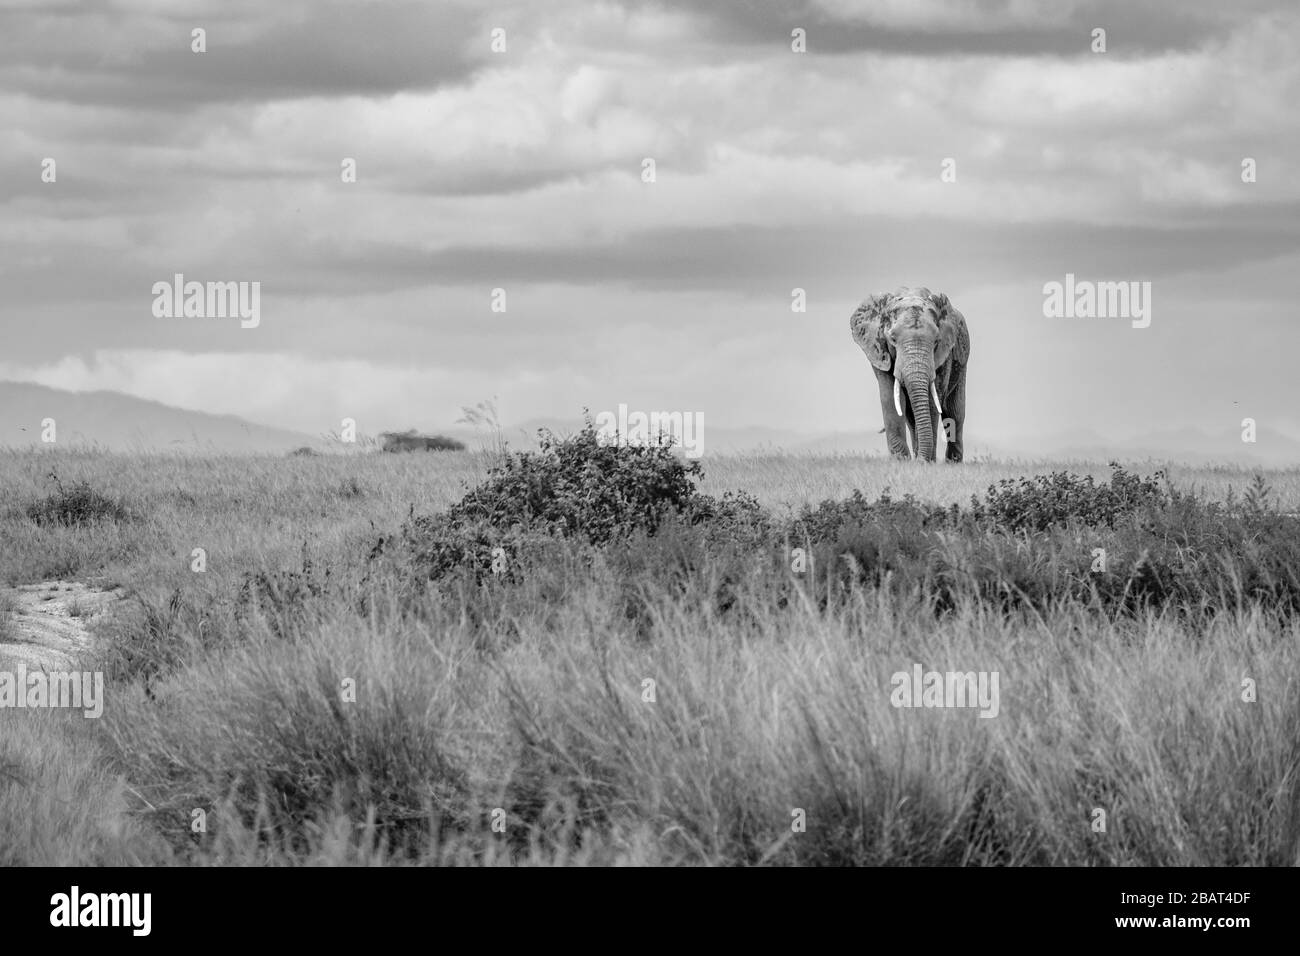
(47, 625)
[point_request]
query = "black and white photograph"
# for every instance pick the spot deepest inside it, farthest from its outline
(651, 434)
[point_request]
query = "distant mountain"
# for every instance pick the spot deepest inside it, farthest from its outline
(117, 422)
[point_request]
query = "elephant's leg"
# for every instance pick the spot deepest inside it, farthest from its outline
(956, 449)
(895, 429)
(955, 419)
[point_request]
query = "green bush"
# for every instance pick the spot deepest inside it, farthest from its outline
(411, 441)
(1035, 543)
(1028, 544)
(1037, 503)
(437, 546)
(580, 487)
(575, 488)
(825, 522)
(77, 504)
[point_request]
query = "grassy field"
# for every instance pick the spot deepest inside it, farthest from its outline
(314, 695)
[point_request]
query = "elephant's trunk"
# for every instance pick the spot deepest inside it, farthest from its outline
(918, 378)
(918, 393)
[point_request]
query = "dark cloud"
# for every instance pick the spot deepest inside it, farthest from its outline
(332, 49)
(882, 253)
(483, 180)
(83, 274)
(848, 259)
(1132, 28)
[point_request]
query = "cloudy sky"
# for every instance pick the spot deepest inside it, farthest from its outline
(521, 169)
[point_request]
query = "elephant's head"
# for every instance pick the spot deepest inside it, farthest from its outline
(913, 333)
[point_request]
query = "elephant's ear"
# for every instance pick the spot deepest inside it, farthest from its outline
(954, 340)
(869, 323)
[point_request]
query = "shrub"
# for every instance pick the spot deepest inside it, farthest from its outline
(436, 546)
(76, 504)
(576, 489)
(443, 443)
(1037, 503)
(1028, 544)
(825, 522)
(580, 487)
(736, 517)
(1032, 543)
(410, 441)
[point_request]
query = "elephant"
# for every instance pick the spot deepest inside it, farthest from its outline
(918, 346)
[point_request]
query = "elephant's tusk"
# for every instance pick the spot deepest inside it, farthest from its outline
(935, 392)
(898, 401)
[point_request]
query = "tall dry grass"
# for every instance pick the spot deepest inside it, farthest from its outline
(513, 723)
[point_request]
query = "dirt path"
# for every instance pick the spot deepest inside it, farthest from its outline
(46, 625)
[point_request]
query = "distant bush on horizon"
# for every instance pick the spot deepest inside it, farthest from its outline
(410, 440)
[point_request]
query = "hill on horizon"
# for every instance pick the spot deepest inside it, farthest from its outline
(115, 421)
